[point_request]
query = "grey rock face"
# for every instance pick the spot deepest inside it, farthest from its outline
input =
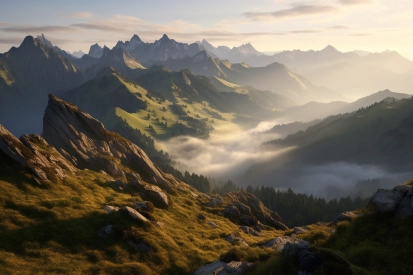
(134, 214)
(109, 208)
(249, 230)
(232, 238)
(300, 229)
(386, 201)
(250, 211)
(35, 153)
(345, 216)
(78, 134)
(152, 193)
(287, 245)
(222, 268)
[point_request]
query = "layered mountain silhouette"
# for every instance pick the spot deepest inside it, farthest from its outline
(29, 73)
(161, 49)
(275, 77)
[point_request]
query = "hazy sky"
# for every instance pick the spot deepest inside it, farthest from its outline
(270, 25)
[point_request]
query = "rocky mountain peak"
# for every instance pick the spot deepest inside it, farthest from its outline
(84, 141)
(44, 41)
(95, 51)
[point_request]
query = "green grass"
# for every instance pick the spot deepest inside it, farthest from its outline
(54, 230)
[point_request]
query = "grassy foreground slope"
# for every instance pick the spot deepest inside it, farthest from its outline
(54, 229)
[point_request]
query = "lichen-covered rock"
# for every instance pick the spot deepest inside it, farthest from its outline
(222, 268)
(152, 193)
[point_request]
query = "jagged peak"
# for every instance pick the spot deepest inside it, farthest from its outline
(28, 40)
(45, 41)
(156, 68)
(329, 48)
(135, 38)
(165, 37)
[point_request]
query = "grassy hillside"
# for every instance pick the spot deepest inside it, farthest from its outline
(379, 134)
(54, 229)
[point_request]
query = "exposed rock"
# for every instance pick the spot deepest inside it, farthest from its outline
(287, 245)
(212, 223)
(231, 211)
(215, 202)
(87, 141)
(109, 208)
(143, 206)
(152, 193)
(345, 216)
(134, 214)
(251, 211)
(201, 217)
(386, 201)
(301, 229)
(249, 230)
(45, 162)
(405, 208)
(232, 238)
(222, 268)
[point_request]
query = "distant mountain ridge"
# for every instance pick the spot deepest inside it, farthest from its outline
(275, 77)
(161, 49)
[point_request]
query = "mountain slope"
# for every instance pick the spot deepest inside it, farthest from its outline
(33, 70)
(275, 77)
(317, 110)
(85, 221)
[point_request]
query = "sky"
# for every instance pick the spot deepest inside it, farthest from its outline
(269, 25)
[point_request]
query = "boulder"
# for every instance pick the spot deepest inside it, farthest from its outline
(222, 268)
(212, 224)
(249, 230)
(232, 238)
(134, 214)
(386, 201)
(152, 193)
(301, 229)
(345, 216)
(143, 206)
(405, 208)
(215, 202)
(108, 208)
(252, 210)
(287, 245)
(231, 211)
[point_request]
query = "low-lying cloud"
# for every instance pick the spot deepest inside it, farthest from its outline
(221, 157)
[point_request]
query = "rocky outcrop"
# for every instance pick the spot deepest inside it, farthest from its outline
(33, 152)
(397, 201)
(345, 216)
(222, 268)
(134, 214)
(87, 144)
(232, 238)
(152, 193)
(250, 211)
(287, 245)
(249, 230)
